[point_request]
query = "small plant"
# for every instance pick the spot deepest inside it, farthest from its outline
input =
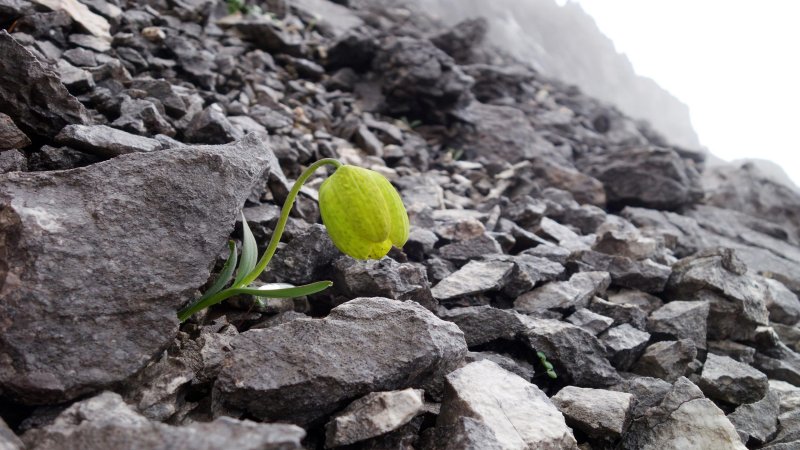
(548, 367)
(239, 6)
(364, 216)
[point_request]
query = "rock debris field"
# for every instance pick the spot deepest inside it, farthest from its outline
(547, 227)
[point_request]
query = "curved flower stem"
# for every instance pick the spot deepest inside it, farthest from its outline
(287, 208)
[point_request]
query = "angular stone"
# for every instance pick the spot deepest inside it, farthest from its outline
(463, 251)
(466, 433)
(385, 278)
(681, 320)
(728, 380)
(372, 415)
(648, 392)
(10, 136)
(573, 351)
(683, 420)
(650, 177)
(759, 420)
(461, 40)
(72, 333)
(474, 278)
(12, 161)
(601, 414)
(624, 344)
(780, 363)
(788, 437)
(645, 275)
(667, 360)
(590, 321)
(484, 324)
(783, 305)
(418, 78)
(739, 352)
(33, 94)
(574, 293)
(517, 412)
(620, 313)
(211, 127)
(515, 366)
(789, 395)
(737, 300)
(9, 440)
(105, 141)
(105, 421)
(646, 302)
(364, 345)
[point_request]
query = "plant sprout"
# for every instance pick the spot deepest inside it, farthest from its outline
(548, 367)
(361, 210)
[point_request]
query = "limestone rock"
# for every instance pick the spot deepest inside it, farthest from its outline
(599, 413)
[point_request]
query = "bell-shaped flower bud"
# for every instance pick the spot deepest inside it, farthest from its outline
(363, 212)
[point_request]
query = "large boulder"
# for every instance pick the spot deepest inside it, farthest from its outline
(94, 262)
(364, 345)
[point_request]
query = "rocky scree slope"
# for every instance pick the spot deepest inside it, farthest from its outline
(131, 134)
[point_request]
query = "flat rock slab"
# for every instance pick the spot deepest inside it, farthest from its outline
(95, 261)
(106, 422)
(105, 141)
(599, 413)
(33, 94)
(364, 345)
(518, 414)
(372, 415)
(726, 379)
(474, 278)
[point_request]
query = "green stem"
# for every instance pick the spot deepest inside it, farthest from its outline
(241, 286)
(287, 208)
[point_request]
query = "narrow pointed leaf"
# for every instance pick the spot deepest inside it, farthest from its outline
(297, 291)
(226, 273)
(249, 253)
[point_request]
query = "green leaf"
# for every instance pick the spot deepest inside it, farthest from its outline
(297, 291)
(249, 253)
(225, 274)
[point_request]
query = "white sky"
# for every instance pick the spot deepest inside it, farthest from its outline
(736, 63)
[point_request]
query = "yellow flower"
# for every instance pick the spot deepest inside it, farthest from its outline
(363, 212)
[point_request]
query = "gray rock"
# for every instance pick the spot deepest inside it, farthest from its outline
(601, 414)
(737, 300)
(463, 251)
(683, 420)
(780, 363)
(364, 345)
(621, 313)
(502, 134)
(574, 293)
(651, 177)
(783, 305)
(735, 350)
(585, 189)
(624, 345)
(9, 440)
(146, 117)
(33, 94)
(668, 360)
(645, 275)
(518, 414)
(681, 320)
(76, 80)
(372, 415)
(461, 40)
(646, 302)
(12, 161)
(788, 437)
(420, 243)
(516, 366)
(789, 395)
(728, 380)
(105, 141)
(789, 335)
(158, 391)
(384, 278)
(573, 351)
(211, 127)
(590, 321)
(648, 392)
(105, 422)
(418, 78)
(528, 272)
(484, 324)
(305, 259)
(465, 434)
(107, 220)
(758, 420)
(474, 278)
(11, 137)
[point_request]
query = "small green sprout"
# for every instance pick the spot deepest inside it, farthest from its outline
(547, 366)
(361, 210)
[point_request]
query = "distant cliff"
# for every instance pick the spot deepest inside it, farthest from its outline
(565, 43)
